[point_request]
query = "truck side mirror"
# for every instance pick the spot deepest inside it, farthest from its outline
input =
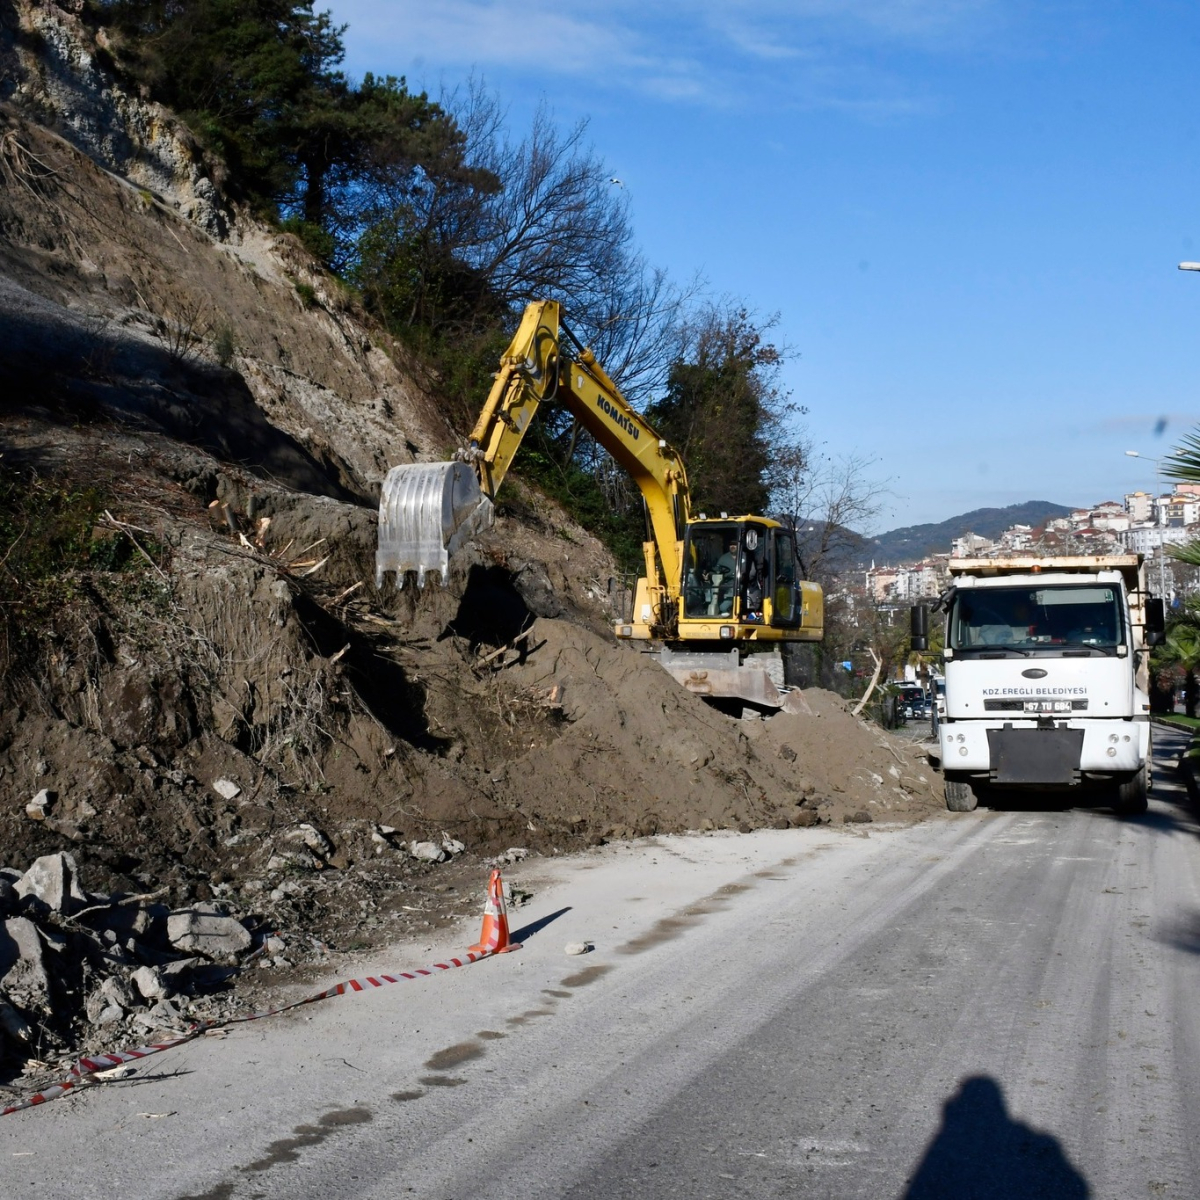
(1156, 621)
(919, 627)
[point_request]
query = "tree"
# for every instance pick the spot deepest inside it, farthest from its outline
(831, 502)
(1181, 649)
(260, 83)
(724, 410)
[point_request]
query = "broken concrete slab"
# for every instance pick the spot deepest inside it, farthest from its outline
(54, 880)
(205, 929)
(150, 983)
(113, 992)
(428, 852)
(23, 972)
(226, 789)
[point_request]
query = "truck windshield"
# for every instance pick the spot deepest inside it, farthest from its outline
(1029, 619)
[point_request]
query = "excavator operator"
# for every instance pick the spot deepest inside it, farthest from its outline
(726, 568)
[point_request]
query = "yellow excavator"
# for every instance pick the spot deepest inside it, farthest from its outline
(720, 595)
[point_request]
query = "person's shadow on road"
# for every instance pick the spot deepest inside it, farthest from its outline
(981, 1153)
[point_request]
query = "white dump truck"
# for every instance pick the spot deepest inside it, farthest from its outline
(1046, 677)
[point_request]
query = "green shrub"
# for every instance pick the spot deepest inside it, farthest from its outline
(54, 549)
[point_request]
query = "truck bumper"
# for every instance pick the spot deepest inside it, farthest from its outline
(1020, 753)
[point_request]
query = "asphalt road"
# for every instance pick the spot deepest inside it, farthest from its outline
(995, 1004)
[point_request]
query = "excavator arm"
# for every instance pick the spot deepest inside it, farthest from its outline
(427, 510)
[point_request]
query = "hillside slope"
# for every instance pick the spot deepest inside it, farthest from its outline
(200, 682)
(914, 542)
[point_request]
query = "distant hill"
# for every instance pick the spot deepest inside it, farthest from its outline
(914, 542)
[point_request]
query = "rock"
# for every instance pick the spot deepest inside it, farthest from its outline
(175, 974)
(13, 1024)
(64, 827)
(514, 854)
(313, 838)
(577, 947)
(165, 1010)
(427, 852)
(452, 846)
(304, 860)
(53, 879)
(862, 817)
(205, 929)
(22, 963)
(226, 789)
(802, 818)
(275, 945)
(149, 981)
(118, 991)
(37, 808)
(113, 993)
(122, 921)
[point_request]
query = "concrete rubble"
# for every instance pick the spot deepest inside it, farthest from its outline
(89, 972)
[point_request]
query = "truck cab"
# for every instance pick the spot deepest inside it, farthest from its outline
(1045, 678)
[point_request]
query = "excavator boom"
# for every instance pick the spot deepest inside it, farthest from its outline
(427, 510)
(713, 589)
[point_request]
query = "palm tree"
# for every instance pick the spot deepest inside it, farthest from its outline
(1181, 648)
(1183, 466)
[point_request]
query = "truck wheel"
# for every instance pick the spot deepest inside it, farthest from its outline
(960, 796)
(1131, 795)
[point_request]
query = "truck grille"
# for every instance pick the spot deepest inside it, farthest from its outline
(1019, 706)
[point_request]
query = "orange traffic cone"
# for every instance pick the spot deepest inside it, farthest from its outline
(494, 937)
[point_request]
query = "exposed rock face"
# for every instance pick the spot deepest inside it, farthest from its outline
(54, 70)
(23, 974)
(148, 246)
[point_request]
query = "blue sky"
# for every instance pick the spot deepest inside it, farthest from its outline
(968, 213)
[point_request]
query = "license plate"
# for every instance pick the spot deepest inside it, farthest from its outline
(1047, 706)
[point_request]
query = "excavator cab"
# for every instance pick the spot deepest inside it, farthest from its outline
(742, 573)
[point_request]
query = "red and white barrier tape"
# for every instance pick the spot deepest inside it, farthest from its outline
(83, 1073)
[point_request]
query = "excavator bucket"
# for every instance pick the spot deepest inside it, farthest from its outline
(426, 512)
